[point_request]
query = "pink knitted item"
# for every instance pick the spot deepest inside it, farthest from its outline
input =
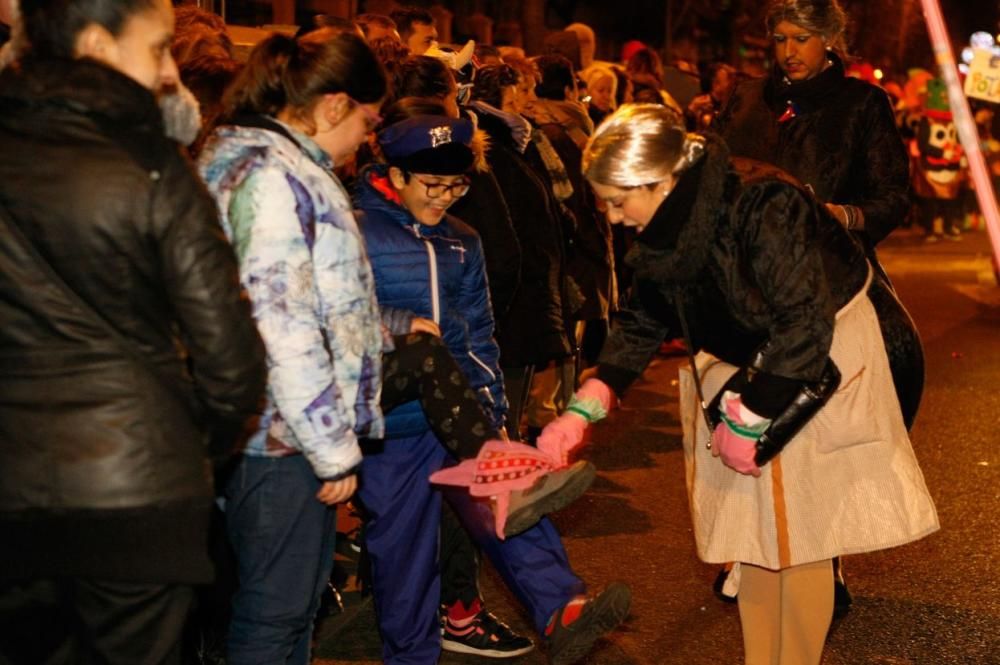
(561, 436)
(737, 451)
(500, 467)
(597, 389)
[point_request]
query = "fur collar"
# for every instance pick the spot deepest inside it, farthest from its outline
(808, 95)
(676, 244)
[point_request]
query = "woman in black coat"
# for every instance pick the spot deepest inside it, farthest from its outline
(837, 135)
(533, 331)
(125, 339)
(815, 460)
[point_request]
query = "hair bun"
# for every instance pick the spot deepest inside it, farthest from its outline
(692, 149)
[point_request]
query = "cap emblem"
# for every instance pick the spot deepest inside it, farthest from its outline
(440, 136)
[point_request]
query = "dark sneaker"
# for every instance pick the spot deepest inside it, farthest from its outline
(842, 599)
(553, 491)
(484, 636)
(572, 630)
(721, 587)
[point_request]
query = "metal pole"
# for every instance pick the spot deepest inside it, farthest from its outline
(964, 122)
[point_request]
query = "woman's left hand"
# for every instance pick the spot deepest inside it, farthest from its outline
(736, 437)
(420, 324)
(737, 451)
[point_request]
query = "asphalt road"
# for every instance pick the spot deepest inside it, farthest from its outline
(934, 602)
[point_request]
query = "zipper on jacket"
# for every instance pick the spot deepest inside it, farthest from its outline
(433, 264)
(479, 362)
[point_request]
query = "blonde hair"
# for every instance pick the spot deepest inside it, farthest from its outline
(597, 73)
(640, 144)
(825, 18)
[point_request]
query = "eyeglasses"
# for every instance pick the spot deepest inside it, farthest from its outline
(436, 190)
(372, 119)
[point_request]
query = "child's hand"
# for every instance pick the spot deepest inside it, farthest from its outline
(337, 491)
(420, 324)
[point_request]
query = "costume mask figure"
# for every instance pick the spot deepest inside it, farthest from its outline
(939, 153)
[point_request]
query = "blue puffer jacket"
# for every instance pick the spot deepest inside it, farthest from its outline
(436, 272)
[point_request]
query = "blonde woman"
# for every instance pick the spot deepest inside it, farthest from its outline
(802, 455)
(602, 88)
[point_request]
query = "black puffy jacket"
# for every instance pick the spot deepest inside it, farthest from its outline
(103, 458)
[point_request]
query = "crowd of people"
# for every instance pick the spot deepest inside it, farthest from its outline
(409, 276)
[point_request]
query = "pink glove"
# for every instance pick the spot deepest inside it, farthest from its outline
(734, 439)
(590, 403)
(561, 436)
(595, 389)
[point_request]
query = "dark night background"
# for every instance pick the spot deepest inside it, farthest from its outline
(888, 33)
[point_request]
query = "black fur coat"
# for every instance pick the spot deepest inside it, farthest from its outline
(839, 139)
(759, 268)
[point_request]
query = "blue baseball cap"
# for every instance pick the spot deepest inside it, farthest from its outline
(432, 144)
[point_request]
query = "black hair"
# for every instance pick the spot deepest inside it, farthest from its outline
(283, 72)
(490, 82)
(556, 75)
(484, 51)
(405, 17)
(410, 107)
(320, 21)
(565, 43)
(52, 26)
(390, 52)
(423, 76)
(381, 20)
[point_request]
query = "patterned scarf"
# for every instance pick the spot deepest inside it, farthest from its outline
(561, 185)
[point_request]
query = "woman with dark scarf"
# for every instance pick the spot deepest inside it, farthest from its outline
(738, 258)
(837, 135)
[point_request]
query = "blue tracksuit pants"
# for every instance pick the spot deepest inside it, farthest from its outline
(402, 540)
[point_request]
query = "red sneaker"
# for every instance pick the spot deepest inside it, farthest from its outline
(573, 629)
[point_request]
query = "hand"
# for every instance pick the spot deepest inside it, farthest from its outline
(737, 446)
(594, 388)
(737, 452)
(561, 436)
(337, 491)
(838, 212)
(420, 324)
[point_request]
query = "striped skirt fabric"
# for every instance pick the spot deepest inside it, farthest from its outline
(847, 483)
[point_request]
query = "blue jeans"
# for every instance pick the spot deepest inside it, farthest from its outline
(283, 538)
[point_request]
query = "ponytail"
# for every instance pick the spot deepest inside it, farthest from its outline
(692, 148)
(260, 87)
(285, 73)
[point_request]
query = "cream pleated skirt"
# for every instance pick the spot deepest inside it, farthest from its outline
(847, 483)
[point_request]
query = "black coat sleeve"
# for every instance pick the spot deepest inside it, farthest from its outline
(635, 336)
(201, 281)
(779, 229)
(886, 170)
(485, 210)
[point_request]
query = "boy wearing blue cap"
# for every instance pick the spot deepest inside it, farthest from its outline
(431, 264)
